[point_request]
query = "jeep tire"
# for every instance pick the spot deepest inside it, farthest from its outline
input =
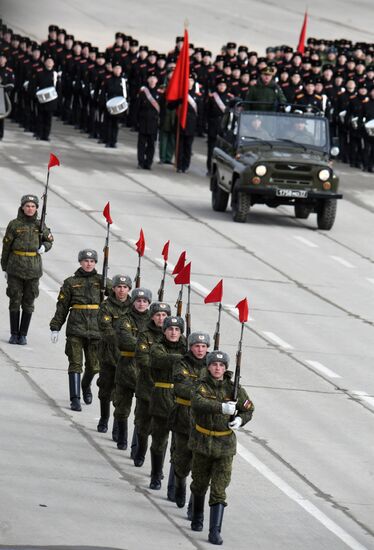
(241, 206)
(326, 214)
(219, 197)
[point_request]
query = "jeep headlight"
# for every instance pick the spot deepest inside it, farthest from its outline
(324, 174)
(261, 170)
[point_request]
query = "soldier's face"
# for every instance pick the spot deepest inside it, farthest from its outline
(158, 318)
(199, 350)
(117, 70)
(266, 78)
(217, 370)
(173, 334)
(29, 208)
(88, 265)
(121, 292)
(141, 304)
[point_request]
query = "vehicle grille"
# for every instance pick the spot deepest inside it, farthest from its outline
(282, 174)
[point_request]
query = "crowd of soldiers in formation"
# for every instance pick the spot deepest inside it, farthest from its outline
(337, 76)
(142, 358)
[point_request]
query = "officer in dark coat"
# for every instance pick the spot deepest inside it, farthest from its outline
(113, 87)
(308, 97)
(45, 78)
(355, 131)
(367, 115)
(148, 119)
(7, 80)
(216, 106)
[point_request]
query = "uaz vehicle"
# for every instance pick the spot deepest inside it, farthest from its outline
(274, 158)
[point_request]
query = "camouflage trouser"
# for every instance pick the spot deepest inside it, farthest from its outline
(122, 401)
(142, 417)
(105, 381)
(160, 434)
(74, 349)
(22, 292)
(181, 455)
(216, 471)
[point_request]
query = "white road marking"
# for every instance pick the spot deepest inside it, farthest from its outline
(306, 504)
(321, 368)
(342, 261)
(199, 287)
(161, 262)
(277, 340)
(60, 189)
(370, 280)
(306, 241)
(51, 293)
(83, 205)
(365, 397)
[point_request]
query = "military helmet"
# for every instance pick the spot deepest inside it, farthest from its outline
(221, 356)
(87, 254)
(122, 280)
(141, 293)
(173, 321)
(156, 307)
(198, 338)
(30, 198)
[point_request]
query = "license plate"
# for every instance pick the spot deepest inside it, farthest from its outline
(293, 193)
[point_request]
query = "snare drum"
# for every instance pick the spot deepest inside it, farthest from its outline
(369, 127)
(116, 105)
(46, 94)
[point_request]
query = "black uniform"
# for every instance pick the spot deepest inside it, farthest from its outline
(7, 80)
(215, 108)
(113, 87)
(367, 115)
(147, 119)
(187, 134)
(44, 78)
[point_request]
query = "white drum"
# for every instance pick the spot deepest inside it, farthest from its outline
(116, 105)
(369, 127)
(46, 94)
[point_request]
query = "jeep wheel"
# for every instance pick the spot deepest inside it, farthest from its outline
(326, 214)
(301, 211)
(219, 197)
(240, 207)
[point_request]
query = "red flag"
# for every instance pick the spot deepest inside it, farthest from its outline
(140, 244)
(178, 86)
(106, 213)
(180, 263)
(184, 276)
(165, 251)
(53, 161)
(243, 310)
(301, 45)
(216, 294)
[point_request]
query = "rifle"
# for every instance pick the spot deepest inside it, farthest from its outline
(179, 303)
(237, 371)
(162, 285)
(104, 277)
(188, 313)
(44, 212)
(217, 333)
(137, 276)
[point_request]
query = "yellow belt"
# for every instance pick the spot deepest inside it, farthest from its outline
(211, 432)
(22, 253)
(85, 306)
(128, 353)
(181, 401)
(163, 385)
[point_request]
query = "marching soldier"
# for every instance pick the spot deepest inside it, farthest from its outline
(367, 116)
(45, 78)
(79, 302)
(308, 97)
(148, 117)
(110, 316)
(216, 106)
(21, 262)
(354, 111)
(113, 87)
(213, 441)
(7, 80)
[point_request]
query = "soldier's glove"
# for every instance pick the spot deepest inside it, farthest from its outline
(229, 407)
(41, 249)
(235, 424)
(54, 336)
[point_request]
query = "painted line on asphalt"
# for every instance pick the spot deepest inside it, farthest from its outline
(365, 397)
(370, 280)
(60, 189)
(321, 368)
(277, 340)
(342, 261)
(306, 241)
(199, 287)
(306, 504)
(83, 205)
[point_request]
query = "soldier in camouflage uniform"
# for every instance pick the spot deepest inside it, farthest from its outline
(213, 441)
(21, 261)
(79, 298)
(185, 376)
(163, 356)
(144, 384)
(110, 316)
(126, 372)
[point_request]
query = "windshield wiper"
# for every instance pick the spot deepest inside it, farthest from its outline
(258, 139)
(294, 142)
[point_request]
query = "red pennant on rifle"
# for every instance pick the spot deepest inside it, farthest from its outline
(165, 251)
(216, 294)
(180, 263)
(140, 244)
(184, 276)
(243, 310)
(106, 213)
(53, 161)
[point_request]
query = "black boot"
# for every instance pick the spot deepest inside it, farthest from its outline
(197, 522)
(156, 472)
(122, 435)
(189, 509)
(180, 491)
(75, 389)
(216, 516)
(141, 450)
(86, 387)
(171, 484)
(134, 443)
(14, 327)
(24, 327)
(102, 426)
(115, 430)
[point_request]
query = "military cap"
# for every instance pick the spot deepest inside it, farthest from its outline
(52, 28)
(245, 72)
(144, 293)
(100, 54)
(305, 59)
(3, 54)
(156, 307)
(152, 52)
(143, 48)
(8, 31)
(127, 38)
(250, 54)
(122, 280)
(192, 75)
(243, 49)
(94, 49)
(34, 45)
(318, 81)
(161, 56)
(220, 80)
(119, 35)
(235, 67)
(267, 70)
(231, 45)
(207, 53)
(198, 338)
(190, 45)
(362, 84)
(69, 37)
(16, 38)
(77, 43)
(332, 49)
(87, 254)
(311, 40)
(351, 58)
(86, 44)
(369, 68)
(134, 43)
(328, 66)
(272, 64)
(117, 63)
(215, 356)
(30, 198)
(287, 49)
(48, 56)
(309, 81)
(227, 65)
(179, 39)
(173, 321)
(152, 74)
(199, 50)
(316, 63)
(262, 60)
(270, 49)
(62, 31)
(220, 58)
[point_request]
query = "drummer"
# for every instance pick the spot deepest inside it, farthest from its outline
(43, 85)
(114, 87)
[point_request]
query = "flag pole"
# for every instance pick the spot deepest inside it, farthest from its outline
(162, 285)
(177, 141)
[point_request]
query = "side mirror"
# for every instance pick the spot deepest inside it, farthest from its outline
(334, 152)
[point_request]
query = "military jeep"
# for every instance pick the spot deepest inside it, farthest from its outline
(275, 158)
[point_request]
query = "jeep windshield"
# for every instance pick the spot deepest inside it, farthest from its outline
(292, 130)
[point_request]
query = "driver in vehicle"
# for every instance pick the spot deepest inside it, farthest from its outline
(257, 129)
